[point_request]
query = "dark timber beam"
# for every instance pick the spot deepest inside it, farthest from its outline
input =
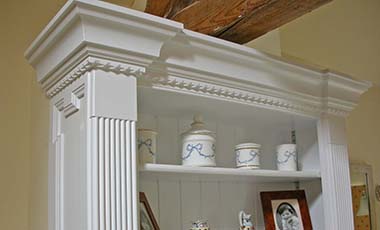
(166, 8)
(238, 21)
(269, 17)
(215, 16)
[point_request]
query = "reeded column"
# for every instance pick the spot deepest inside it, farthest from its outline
(113, 113)
(113, 173)
(337, 199)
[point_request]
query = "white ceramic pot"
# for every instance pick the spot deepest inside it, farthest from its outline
(287, 157)
(146, 145)
(198, 145)
(248, 155)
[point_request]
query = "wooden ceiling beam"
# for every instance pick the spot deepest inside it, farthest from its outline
(238, 21)
(269, 17)
(158, 8)
(214, 16)
(166, 8)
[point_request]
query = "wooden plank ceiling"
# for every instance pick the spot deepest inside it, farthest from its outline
(239, 21)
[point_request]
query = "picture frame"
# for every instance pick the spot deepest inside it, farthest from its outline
(147, 220)
(286, 210)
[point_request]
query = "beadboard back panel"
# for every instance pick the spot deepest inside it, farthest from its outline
(228, 135)
(176, 201)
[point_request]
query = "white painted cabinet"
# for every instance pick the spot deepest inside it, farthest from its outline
(108, 70)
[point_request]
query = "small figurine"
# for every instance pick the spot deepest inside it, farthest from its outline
(245, 221)
(200, 225)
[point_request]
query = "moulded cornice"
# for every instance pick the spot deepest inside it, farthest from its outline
(219, 87)
(88, 35)
(83, 22)
(224, 90)
(89, 64)
(224, 58)
(230, 93)
(347, 83)
(202, 84)
(97, 9)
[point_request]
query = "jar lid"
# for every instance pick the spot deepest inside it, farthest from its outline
(247, 145)
(198, 127)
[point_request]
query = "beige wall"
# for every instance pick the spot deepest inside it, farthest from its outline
(23, 185)
(269, 43)
(343, 35)
(14, 125)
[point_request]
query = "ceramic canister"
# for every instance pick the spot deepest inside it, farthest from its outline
(146, 145)
(198, 145)
(287, 157)
(248, 155)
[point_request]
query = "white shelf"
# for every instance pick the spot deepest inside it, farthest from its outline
(223, 174)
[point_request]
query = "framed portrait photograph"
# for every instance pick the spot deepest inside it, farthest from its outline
(147, 220)
(286, 210)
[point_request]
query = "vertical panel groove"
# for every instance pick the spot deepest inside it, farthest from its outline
(201, 199)
(135, 195)
(107, 174)
(123, 177)
(101, 175)
(128, 174)
(112, 174)
(59, 177)
(158, 200)
(118, 175)
(339, 158)
(180, 202)
(95, 177)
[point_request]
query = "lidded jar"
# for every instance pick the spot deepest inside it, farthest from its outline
(146, 145)
(248, 155)
(287, 157)
(198, 145)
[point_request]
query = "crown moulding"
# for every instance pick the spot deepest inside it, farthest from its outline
(94, 35)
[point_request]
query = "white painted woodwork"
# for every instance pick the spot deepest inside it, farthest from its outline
(335, 172)
(210, 173)
(104, 67)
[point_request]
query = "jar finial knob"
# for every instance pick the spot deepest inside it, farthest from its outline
(197, 121)
(198, 118)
